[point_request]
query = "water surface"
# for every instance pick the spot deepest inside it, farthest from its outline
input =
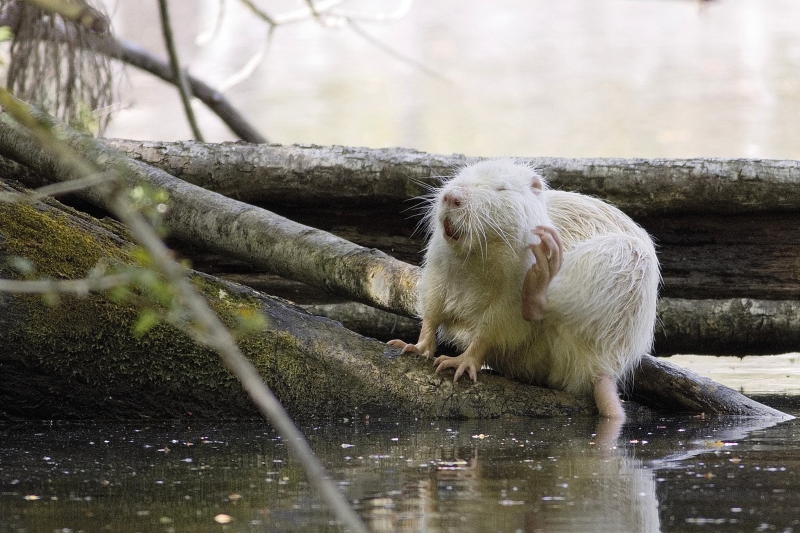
(662, 474)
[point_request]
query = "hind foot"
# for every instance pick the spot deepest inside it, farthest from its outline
(470, 361)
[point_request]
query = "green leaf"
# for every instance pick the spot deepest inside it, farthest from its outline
(147, 320)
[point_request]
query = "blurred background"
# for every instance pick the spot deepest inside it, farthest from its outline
(572, 78)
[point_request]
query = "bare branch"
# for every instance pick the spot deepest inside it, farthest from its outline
(392, 52)
(178, 72)
(247, 71)
(207, 36)
(55, 189)
(138, 57)
(81, 287)
(401, 11)
(260, 13)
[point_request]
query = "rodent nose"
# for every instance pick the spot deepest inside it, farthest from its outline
(452, 200)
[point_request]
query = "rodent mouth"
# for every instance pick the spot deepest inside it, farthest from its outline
(450, 230)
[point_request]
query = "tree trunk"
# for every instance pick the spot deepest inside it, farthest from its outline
(79, 359)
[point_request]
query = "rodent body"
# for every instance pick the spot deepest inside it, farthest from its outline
(548, 287)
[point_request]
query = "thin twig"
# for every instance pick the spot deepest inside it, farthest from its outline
(209, 35)
(392, 52)
(209, 328)
(260, 13)
(291, 16)
(54, 189)
(313, 9)
(246, 71)
(401, 11)
(180, 75)
(80, 287)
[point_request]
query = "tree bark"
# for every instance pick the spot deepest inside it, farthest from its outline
(309, 174)
(677, 388)
(724, 228)
(78, 359)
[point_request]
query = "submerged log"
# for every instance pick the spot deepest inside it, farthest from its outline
(78, 358)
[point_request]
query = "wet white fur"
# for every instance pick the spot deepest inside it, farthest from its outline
(601, 306)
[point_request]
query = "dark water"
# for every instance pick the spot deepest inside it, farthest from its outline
(667, 474)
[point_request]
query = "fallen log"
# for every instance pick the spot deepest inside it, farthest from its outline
(702, 327)
(79, 358)
(724, 228)
(735, 326)
(303, 174)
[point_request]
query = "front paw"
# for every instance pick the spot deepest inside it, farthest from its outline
(419, 348)
(549, 257)
(461, 363)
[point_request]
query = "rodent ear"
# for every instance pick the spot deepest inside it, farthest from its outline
(537, 184)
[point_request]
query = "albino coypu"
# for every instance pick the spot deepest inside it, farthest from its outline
(547, 287)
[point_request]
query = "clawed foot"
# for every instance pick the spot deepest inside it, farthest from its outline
(549, 255)
(461, 363)
(419, 348)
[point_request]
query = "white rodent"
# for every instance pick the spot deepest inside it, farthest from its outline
(553, 288)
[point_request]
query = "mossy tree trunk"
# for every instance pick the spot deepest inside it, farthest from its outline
(78, 357)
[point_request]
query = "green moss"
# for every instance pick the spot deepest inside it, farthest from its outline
(89, 341)
(95, 363)
(58, 248)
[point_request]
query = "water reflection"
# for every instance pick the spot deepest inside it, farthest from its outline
(403, 475)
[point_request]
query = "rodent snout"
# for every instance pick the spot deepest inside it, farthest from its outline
(451, 199)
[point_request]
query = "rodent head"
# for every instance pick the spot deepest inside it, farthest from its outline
(488, 202)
